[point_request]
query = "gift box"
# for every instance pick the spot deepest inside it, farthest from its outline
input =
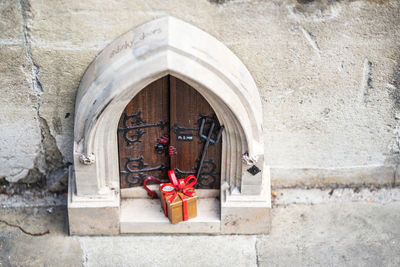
(178, 198)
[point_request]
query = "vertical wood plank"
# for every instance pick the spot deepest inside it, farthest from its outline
(186, 106)
(152, 103)
(172, 118)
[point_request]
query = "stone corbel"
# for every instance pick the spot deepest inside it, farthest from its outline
(87, 159)
(249, 159)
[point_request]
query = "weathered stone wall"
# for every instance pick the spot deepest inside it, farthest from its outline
(328, 73)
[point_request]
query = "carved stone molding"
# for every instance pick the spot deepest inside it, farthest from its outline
(141, 56)
(86, 159)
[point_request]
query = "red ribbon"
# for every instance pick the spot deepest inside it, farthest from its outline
(179, 187)
(151, 193)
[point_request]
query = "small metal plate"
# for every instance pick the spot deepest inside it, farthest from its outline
(184, 137)
(254, 170)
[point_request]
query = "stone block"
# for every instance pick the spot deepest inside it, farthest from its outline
(346, 234)
(20, 136)
(317, 101)
(59, 75)
(92, 215)
(292, 177)
(93, 220)
(87, 24)
(102, 25)
(250, 189)
(16, 79)
(11, 22)
(245, 220)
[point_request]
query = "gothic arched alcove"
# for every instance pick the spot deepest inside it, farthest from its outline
(167, 46)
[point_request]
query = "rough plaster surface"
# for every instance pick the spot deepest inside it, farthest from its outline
(20, 138)
(346, 234)
(54, 249)
(328, 73)
(28, 150)
(343, 231)
(285, 197)
(216, 250)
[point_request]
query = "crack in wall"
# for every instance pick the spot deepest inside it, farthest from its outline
(366, 81)
(394, 86)
(49, 158)
(36, 85)
(311, 40)
(85, 257)
(257, 252)
(37, 172)
(219, 1)
(52, 155)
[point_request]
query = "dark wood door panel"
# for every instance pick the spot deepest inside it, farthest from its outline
(147, 117)
(187, 109)
(171, 107)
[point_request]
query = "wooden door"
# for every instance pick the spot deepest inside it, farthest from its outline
(168, 109)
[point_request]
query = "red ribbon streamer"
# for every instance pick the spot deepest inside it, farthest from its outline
(151, 193)
(179, 187)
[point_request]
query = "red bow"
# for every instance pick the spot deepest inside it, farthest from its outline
(179, 187)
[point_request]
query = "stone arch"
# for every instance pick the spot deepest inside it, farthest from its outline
(141, 56)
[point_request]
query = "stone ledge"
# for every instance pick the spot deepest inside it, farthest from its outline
(146, 216)
(318, 177)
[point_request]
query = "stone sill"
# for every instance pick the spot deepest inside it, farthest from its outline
(143, 215)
